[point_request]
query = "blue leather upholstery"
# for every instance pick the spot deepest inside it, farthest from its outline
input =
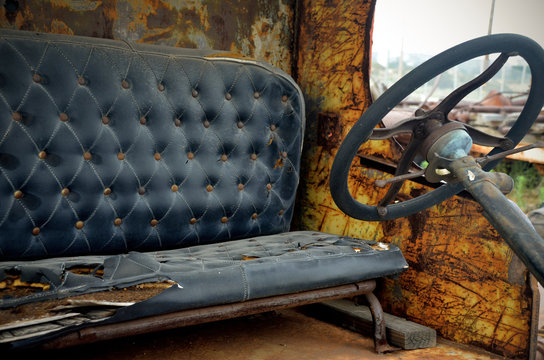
(107, 147)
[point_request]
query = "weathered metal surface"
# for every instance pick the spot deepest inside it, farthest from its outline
(463, 279)
(261, 29)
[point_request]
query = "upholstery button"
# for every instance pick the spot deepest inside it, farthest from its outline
(143, 120)
(121, 155)
(65, 192)
(224, 219)
(154, 222)
(63, 117)
(256, 95)
(253, 156)
(224, 157)
(157, 156)
(284, 154)
(107, 191)
(36, 78)
(141, 190)
(192, 221)
(79, 224)
(18, 194)
(87, 155)
(117, 222)
(194, 93)
(105, 120)
(36, 231)
(240, 187)
(160, 87)
(190, 155)
(240, 124)
(284, 98)
(16, 116)
(272, 127)
(228, 96)
(81, 80)
(125, 84)
(209, 188)
(269, 186)
(42, 155)
(174, 188)
(206, 124)
(177, 122)
(254, 216)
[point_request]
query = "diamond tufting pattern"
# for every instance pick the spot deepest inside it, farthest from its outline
(108, 147)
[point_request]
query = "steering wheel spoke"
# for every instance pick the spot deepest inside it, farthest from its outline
(482, 138)
(461, 92)
(403, 127)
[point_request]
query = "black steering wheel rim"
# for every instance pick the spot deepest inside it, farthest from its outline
(520, 45)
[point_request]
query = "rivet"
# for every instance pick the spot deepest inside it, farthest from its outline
(254, 216)
(65, 192)
(36, 231)
(16, 116)
(63, 117)
(240, 187)
(107, 191)
(177, 122)
(143, 120)
(240, 124)
(81, 80)
(194, 93)
(125, 84)
(160, 87)
(228, 96)
(18, 194)
(79, 225)
(157, 156)
(36, 78)
(141, 190)
(253, 156)
(42, 155)
(190, 155)
(256, 95)
(284, 98)
(209, 188)
(117, 222)
(224, 219)
(192, 221)
(174, 188)
(154, 222)
(224, 157)
(272, 127)
(269, 186)
(121, 155)
(87, 155)
(206, 124)
(105, 120)
(281, 212)
(284, 154)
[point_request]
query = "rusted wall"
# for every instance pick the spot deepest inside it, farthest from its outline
(463, 279)
(261, 29)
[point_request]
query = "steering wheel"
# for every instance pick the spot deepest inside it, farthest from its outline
(430, 129)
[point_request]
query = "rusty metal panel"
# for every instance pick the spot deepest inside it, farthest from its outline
(463, 279)
(260, 29)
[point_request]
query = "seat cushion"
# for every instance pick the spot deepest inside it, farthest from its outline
(215, 274)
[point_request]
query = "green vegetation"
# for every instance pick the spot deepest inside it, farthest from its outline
(528, 190)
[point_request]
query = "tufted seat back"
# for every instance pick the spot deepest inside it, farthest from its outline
(108, 147)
